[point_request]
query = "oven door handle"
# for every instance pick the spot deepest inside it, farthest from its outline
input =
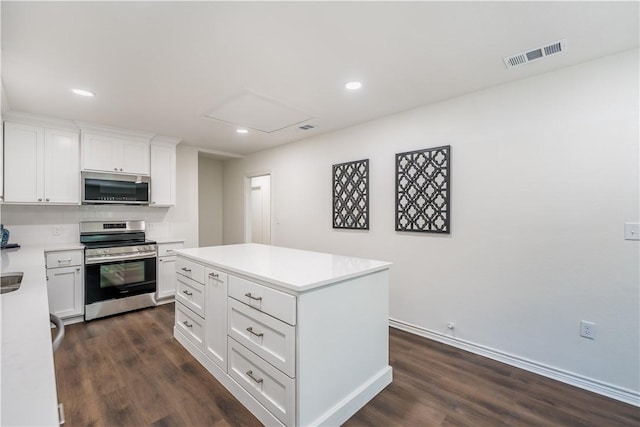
(130, 257)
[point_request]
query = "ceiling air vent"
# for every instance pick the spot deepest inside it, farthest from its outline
(535, 54)
(306, 127)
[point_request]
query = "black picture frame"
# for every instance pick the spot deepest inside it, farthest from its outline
(350, 185)
(423, 190)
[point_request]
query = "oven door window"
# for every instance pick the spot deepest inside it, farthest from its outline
(122, 274)
(119, 279)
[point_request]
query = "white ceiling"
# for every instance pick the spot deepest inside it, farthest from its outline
(160, 67)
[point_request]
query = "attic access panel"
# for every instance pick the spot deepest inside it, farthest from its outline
(253, 111)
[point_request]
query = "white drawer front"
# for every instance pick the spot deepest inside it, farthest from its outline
(269, 338)
(275, 303)
(168, 249)
(190, 269)
(273, 389)
(190, 324)
(191, 294)
(64, 258)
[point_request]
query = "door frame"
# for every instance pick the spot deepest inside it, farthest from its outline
(247, 203)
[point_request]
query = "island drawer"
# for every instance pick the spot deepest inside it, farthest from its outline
(190, 324)
(63, 258)
(273, 389)
(266, 336)
(275, 303)
(190, 269)
(191, 294)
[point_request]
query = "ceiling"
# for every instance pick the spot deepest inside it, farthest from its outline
(161, 67)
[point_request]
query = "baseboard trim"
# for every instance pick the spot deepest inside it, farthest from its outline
(624, 395)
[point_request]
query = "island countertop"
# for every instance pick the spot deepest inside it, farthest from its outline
(292, 269)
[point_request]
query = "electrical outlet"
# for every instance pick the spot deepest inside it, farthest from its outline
(588, 329)
(57, 230)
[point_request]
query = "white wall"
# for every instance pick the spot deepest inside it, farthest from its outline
(544, 175)
(209, 201)
(33, 224)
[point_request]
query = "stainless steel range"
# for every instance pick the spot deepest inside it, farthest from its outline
(120, 267)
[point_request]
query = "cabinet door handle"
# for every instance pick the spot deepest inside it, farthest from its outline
(248, 295)
(214, 275)
(250, 374)
(187, 324)
(47, 200)
(120, 169)
(250, 329)
(115, 169)
(39, 200)
(186, 292)
(188, 270)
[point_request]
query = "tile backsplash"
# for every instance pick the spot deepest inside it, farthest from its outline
(50, 225)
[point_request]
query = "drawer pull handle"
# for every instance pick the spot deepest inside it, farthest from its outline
(188, 270)
(170, 251)
(66, 260)
(250, 374)
(248, 295)
(250, 329)
(214, 275)
(187, 324)
(186, 292)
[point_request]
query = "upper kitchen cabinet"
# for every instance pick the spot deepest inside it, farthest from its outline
(163, 171)
(115, 154)
(41, 165)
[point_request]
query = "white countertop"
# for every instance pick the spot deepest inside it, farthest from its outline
(27, 377)
(292, 269)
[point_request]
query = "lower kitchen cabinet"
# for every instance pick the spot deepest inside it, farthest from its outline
(65, 283)
(166, 271)
(299, 338)
(215, 308)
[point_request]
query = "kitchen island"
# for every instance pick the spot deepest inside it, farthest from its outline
(300, 338)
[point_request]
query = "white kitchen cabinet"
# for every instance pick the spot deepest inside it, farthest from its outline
(65, 283)
(166, 274)
(216, 316)
(307, 333)
(107, 153)
(41, 165)
(163, 171)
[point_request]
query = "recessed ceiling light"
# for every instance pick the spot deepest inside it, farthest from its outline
(83, 92)
(242, 131)
(353, 85)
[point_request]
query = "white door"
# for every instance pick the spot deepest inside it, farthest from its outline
(166, 277)
(61, 167)
(65, 291)
(163, 175)
(260, 209)
(23, 163)
(99, 153)
(216, 316)
(135, 157)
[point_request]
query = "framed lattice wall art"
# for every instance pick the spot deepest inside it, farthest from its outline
(351, 195)
(423, 190)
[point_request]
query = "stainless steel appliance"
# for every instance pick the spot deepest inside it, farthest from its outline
(120, 267)
(106, 188)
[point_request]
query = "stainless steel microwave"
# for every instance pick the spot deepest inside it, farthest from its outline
(105, 188)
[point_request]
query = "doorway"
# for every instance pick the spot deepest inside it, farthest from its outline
(258, 220)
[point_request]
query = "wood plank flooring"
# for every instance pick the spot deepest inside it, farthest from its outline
(128, 370)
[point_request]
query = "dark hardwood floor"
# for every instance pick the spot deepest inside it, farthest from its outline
(129, 371)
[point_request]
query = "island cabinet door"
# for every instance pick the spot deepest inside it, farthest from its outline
(216, 316)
